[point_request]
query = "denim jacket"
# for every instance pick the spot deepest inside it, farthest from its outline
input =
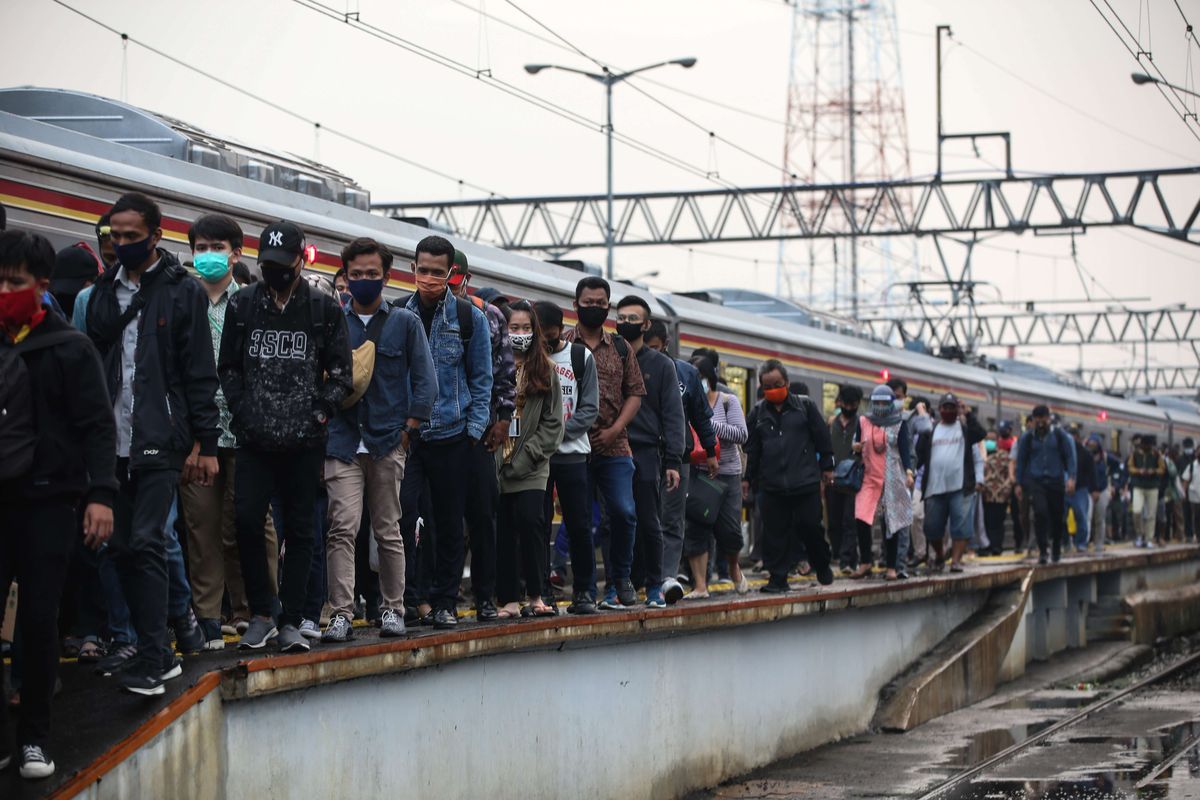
(403, 385)
(464, 373)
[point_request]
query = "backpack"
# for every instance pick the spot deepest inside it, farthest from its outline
(578, 358)
(316, 309)
(466, 322)
(18, 434)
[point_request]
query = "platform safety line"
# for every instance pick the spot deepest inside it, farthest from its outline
(208, 683)
(1081, 715)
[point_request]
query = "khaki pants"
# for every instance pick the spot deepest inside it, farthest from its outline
(1144, 508)
(213, 561)
(347, 485)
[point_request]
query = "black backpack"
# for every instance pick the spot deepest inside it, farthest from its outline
(18, 434)
(578, 357)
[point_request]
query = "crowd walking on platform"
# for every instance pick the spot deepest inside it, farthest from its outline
(195, 453)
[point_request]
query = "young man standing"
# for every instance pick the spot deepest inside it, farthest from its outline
(656, 438)
(482, 489)
(369, 441)
(460, 342)
(213, 560)
(611, 470)
(60, 427)
(790, 456)
(1146, 471)
(948, 455)
(1045, 466)
(576, 370)
(698, 418)
(149, 322)
(285, 369)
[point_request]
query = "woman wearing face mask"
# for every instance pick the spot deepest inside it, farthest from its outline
(886, 447)
(524, 463)
(729, 423)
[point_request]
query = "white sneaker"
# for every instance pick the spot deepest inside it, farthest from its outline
(35, 763)
(309, 629)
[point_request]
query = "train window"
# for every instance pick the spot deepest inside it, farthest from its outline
(738, 381)
(1114, 441)
(829, 393)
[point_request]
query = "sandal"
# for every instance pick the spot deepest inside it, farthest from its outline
(890, 576)
(508, 613)
(90, 652)
(694, 595)
(542, 610)
(861, 572)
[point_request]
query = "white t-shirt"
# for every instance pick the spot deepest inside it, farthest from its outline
(366, 320)
(1191, 474)
(570, 393)
(947, 449)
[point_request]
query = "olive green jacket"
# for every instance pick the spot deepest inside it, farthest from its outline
(541, 434)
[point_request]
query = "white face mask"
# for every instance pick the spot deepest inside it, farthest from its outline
(704, 384)
(521, 342)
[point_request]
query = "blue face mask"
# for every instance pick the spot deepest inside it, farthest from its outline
(212, 266)
(366, 290)
(134, 255)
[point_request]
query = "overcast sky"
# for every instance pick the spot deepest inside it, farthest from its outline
(327, 71)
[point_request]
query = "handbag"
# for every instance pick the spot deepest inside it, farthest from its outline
(704, 499)
(848, 475)
(698, 457)
(363, 360)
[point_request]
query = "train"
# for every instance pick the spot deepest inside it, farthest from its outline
(57, 177)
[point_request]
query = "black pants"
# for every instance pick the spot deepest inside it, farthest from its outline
(863, 554)
(1189, 528)
(570, 479)
(35, 547)
(647, 499)
(993, 523)
(1049, 516)
(521, 540)
(441, 464)
(1019, 532)
(842, 533)
(482, 493)
(139, 544)
(789, 519)
(293, 477)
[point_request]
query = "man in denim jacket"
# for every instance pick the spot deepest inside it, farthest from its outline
(457, 421)
(369, 441)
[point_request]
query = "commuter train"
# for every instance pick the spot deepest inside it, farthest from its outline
(58, 181)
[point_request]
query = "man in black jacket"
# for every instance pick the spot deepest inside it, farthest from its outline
(789, 456)
(285, 369)
(73, 461)
(148, 320)
(947, 454)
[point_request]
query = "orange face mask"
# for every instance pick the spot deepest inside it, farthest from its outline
(776, 395)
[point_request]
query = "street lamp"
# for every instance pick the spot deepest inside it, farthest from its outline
(1141, 78)
(609, 78)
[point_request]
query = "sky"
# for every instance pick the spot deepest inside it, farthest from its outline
(1049, 71)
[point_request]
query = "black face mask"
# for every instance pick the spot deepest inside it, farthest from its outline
(630, 331)
(278, 277)
(592, 316)
(552, 344)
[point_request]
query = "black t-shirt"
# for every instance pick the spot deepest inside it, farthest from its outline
(427, 313)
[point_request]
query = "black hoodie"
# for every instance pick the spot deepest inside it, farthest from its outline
(175, 376)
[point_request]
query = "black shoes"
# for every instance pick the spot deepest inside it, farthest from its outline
(486, 612)
(825, 576)
(626, 593)
(445, 619)
(582, 603)
(779, 586)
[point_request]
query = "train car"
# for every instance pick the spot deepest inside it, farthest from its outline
(58, 181)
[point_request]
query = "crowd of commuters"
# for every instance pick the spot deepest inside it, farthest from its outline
(190, 451)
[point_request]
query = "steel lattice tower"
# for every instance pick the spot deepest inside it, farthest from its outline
(845, 123)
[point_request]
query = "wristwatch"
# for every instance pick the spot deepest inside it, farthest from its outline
(321, 417)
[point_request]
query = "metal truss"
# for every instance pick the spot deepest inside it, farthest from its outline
(1121, 326)
(1163, 201)
(1122, 380)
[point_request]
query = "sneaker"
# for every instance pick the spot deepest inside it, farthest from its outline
(310, 629)
(188, 636)
(35, 763)
(136, 680)
(1043, 560)
(655, 599)
(240, 625)
(289, 640)
(228, 627)
(172, 669)
(5, 761)
(610, 601)
(672, 591)
(213, 633)
(626, 593)
(391, 624)
(339, 630)
(445, 619)
(743, 585)
(258, 633)
(582, 603)
(824, 576)
(684, 578)
(116, 661)
(558, 579)
(775, 586)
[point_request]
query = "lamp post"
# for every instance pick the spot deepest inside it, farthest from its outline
(1141, 78)
(609, 79)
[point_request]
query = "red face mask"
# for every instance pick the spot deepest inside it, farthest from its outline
(777, 395)
(20, 308)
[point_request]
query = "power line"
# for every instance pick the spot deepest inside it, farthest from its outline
(1190, 32)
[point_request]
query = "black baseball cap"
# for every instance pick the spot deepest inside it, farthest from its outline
(74, 266)
(948, 399)
(280, 243)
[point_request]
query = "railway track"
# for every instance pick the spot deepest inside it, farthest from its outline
(941, 790)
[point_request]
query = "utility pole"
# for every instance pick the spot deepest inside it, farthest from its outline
(852, 112)
(940, 28)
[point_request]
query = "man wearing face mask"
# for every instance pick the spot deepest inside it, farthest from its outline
(75, 268)
(369, 440)
(148, 320)
(1046, 475)
(481, 487)
(285, 368)
(656, 438)
(948, 454)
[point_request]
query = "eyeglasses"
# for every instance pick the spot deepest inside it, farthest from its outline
(635, 318)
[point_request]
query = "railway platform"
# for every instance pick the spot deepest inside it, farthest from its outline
(723, 686)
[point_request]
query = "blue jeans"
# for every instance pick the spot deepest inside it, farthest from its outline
(179, 591)
(955, 507)
(1079, 502)
(613, 478)
(120, 627)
